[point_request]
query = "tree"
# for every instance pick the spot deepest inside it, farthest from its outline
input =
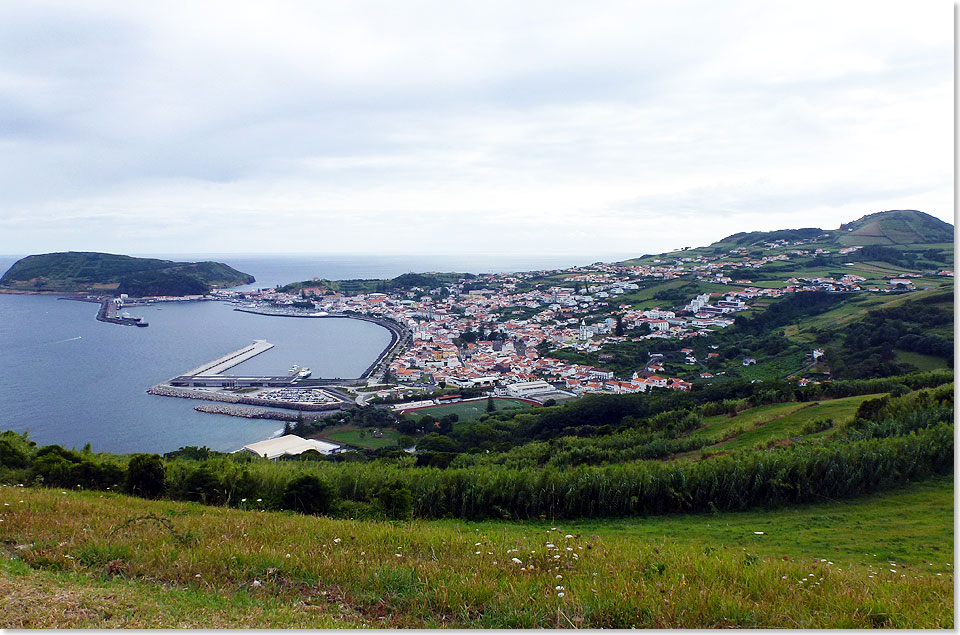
(308, 494)
(491, 407)
(145, 476)
(396, 500)
(619, 330)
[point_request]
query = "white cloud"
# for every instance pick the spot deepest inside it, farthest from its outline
(540, 127)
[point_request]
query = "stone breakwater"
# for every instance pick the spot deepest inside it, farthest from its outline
(249, 412)
(189, 393)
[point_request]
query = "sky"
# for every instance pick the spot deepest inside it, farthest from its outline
(535, 127)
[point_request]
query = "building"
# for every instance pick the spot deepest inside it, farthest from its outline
(289, 444)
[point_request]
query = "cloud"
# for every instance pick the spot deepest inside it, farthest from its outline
(543, 126)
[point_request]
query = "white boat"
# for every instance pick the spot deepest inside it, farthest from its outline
(300, 371)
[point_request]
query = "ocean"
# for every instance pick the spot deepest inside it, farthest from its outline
(68, 379)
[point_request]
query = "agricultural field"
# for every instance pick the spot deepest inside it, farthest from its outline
(110, 561)
(778, 424)
(470, 410)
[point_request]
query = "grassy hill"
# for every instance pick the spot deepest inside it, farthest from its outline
(94, 272)
(104, 560)
(896, 227)
(893, 227)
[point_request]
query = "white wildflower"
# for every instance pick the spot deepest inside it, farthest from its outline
(560, 595)
(517, 560)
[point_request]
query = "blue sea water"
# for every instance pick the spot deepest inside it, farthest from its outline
(69, 379)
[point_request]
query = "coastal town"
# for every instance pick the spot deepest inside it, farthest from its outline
(500, 331)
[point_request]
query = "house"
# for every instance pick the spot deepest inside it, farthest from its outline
(749, 360)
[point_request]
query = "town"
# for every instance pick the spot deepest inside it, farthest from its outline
(501, 331)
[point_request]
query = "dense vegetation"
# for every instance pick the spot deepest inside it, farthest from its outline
(891, 440)
(403, 282)
(85, 271)
(868, 347)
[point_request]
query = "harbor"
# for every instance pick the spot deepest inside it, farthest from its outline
(207, 382)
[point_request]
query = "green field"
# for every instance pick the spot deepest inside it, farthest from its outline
(103, 560)
(470, 410)
(921, 361)
(351, 436)
(773, 422)
(789, 424)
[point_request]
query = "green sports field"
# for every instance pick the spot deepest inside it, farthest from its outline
(469, 410)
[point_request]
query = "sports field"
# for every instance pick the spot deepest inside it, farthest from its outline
(470, 410)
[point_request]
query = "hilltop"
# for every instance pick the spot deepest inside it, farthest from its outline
(896, 227)
(893, 227)
(93, 272)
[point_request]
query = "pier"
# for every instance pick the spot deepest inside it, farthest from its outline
(230, 360)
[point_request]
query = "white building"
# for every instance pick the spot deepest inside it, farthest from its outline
(289, 444)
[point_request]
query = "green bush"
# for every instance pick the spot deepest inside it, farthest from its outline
(145, 476)
(308, 494)
(396, 500)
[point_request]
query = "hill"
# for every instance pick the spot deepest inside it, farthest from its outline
(92, 272)
(402, 282)
(896, 227)
(893, 227)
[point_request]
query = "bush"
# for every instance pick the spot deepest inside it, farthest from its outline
(396, 500)
(308, 494)
(145, 476)
(203, 486)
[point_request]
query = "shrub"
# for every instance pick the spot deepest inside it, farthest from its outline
(396, 500)
(203, 486)
(308, 494)
(145, 476)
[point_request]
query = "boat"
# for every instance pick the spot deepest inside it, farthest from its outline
(300, 371)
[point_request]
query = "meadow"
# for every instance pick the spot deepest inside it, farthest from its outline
(112, 561)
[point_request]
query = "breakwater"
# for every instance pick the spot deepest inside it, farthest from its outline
(248, 412)
(232, 398)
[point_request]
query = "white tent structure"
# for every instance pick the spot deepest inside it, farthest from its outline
(289, 444)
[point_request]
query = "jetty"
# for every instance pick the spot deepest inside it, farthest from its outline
(230, 360)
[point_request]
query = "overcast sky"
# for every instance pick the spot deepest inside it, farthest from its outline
(471, 127)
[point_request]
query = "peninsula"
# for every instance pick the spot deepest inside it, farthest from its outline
(113, 274)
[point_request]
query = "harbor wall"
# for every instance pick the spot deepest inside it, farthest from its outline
(190, 393)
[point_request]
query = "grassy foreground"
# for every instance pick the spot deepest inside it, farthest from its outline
(102, 560)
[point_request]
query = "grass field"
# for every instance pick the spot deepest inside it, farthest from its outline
(921, 361)
(773, 422)
(351, 436)
(790, 423)
(470, 410)
(103, 560)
